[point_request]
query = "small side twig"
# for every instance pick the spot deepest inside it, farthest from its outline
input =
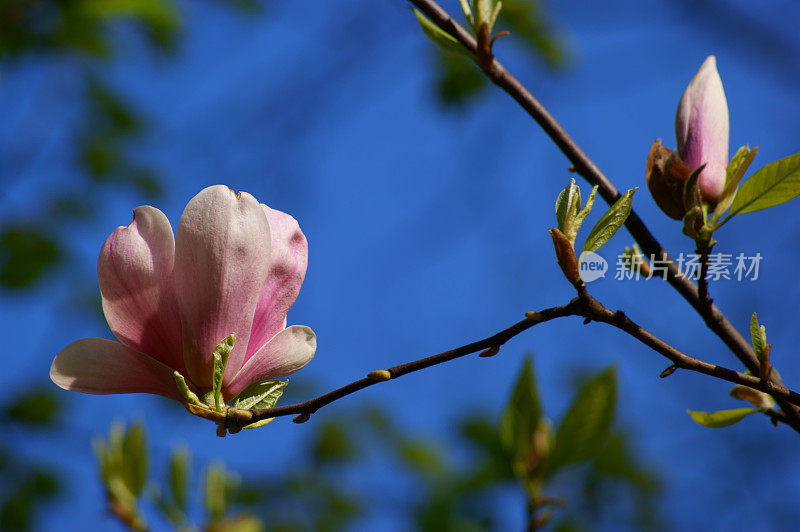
(597, 312)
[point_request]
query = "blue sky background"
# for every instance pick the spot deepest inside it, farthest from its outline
(427, 228)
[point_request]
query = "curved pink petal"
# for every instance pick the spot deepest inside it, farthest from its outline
(135, 272)
(99, 366)
(288, 262)
(287, 352)
(701, 128)
(222, 253)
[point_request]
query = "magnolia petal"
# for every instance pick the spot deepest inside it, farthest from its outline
(288, 262)
(702, 128)
(135, 273)
(222, 254)
(288, 351)
(99, 366)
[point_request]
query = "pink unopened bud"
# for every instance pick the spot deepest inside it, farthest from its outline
(701, 127)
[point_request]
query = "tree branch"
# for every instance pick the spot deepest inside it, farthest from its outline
(713, 317)
(584, 305)
(597, 312)
(488, 346)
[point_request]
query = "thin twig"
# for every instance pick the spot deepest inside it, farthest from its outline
(597, 312)
(713, 317)
(584, 306)
(496, 340)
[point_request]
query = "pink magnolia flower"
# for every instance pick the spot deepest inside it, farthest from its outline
(235, 266)
(701, 126)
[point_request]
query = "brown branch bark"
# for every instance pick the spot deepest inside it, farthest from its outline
(584, 306)
(303, 410)
(704, 250)
(712, 316)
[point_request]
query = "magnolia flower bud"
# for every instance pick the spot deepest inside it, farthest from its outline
(701, 127)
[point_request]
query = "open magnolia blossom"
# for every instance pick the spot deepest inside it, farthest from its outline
(701, 128)
(234, 266)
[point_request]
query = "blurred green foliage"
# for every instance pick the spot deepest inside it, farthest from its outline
(26, 487)
(82, 35)
(528, 22)
(465, 485)
(360, 466)
(78, 33)
(33, 487)
(122, 460)
(26, 252)
(458, 79)
(123, 465)
(81, 26)
(35, 408)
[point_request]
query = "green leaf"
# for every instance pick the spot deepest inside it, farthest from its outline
(568, 204)
(584, 428)
(586, 208)
(260, 423)
(467, 10)
(721, 418)
(521, 418)
(739, 163)
(179, 477)
(439, 36)
(611, 221)
(221, 353)
(134, 459)
(483, 11)
(188, 395)
(775, 183)
(260, 395)
(736, 169)
(758, 335)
